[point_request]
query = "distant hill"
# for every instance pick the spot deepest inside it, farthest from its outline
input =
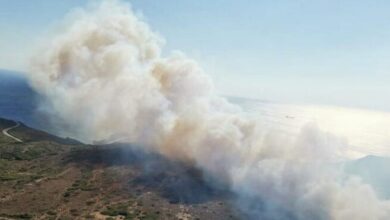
(17, 100)
(373, 170)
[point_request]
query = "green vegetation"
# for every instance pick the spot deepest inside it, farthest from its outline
(21, 178)
(118, 209)
(9, 176)
(83, 184)
(51, 212)
(122, 209)
(17, 216)
(29, 151)
(74, 212)
(90, 202)
(150, 216)
(89, 216)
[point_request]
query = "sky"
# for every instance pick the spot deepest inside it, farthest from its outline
(326, 52)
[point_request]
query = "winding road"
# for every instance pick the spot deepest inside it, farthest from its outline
(5, 132)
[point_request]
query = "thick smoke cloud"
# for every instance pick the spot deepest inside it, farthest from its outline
(104, 78)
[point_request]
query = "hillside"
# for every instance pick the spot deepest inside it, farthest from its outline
(18, 100)
(47, 177)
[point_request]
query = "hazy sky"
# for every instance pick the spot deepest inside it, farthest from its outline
(309, 51)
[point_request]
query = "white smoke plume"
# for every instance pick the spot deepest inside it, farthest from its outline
(104, 76)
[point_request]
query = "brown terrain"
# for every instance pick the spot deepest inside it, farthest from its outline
(47, 177)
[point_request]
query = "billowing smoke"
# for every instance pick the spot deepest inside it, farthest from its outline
(105, 79)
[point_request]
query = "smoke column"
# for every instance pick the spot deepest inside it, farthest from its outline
(104, 78)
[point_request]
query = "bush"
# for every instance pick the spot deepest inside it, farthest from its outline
(90, 202)
(51, 212)
(119, 209)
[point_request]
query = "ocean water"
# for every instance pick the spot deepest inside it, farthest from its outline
(366, 132)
